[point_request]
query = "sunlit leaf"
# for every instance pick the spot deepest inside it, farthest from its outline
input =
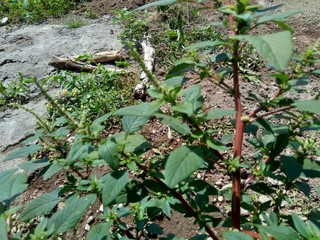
(156, 4)
(133, 123)
(312, 106)
(113, 185)
(99, 231)
(12, 184)
(3, 229)
(41, 205)
(277, 48)
(181, 163)
(175, 123)
(35, 164)
(217, 113)
(70, 215)
(205, 44)
(236, 236)
(277, 16)
(23, 152)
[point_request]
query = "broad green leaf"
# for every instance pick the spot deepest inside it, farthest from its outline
(316, 71)
(301, 226)
(61, 132)
(52, 170)
(35, 164)
(142, 110)
(199, 237)
(11, 185)
(312, 106)
(3, 229)
(156, 4)
(214, 144)
(206, 44)
(99, 231)
(79, 150)
(280, 232)
(96, 126)
(113, 185)
(181, 163)
(292, 168)
(175, 123)
(107, 152)
(311, 168)
(277, 48)
(174, 82)
(135, 143)
(154, 229)
(315, 217)
(23, 152)
(217, 113)
(277, 16)
(186, 108)
(236, 236)
(70, 215)
(133, 123)
(41, 205)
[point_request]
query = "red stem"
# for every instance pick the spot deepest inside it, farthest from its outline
(236, 178)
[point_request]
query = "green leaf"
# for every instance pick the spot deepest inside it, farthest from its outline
(308, 106)
(277, 48)
(96, 126)
(154, 229)
(142, 110)
(11, 185)
(292, 168)
(214, 144)
(133, 123)
(174, 82)
(156, 4)
(99, 231)
(311, 169)
(206, 44)
(52, 170)
(175, 123)
(23, 152)
(3, 229)
(236, 236)
(113, 185)
(79, 150)
(107, 152)
(35, 164)
(218, 113)
(301, 226)
(181, 163)
(41, 205)
(70, 215)
(280, 232)
(199, 237)
(277, 16)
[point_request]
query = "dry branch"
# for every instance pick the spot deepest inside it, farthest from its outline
(80, 63)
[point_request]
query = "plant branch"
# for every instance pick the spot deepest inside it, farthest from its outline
(270, 113)
(188, 207)
(252, 177)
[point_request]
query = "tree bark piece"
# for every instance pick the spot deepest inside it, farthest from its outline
(148, 58)
(80, 63)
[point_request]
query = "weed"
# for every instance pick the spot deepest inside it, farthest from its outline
(74, 23)
(281, 130)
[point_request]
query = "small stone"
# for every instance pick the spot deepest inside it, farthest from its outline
(244, 212)
(264, 198)
(220, 198)
(101, 208)
(87, 227)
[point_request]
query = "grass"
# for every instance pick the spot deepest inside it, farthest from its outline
(35, 10)
(74, 23)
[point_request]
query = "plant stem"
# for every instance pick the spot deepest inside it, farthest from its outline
(236, 178)
(188, 207)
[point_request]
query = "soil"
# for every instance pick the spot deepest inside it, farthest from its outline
(307, 32)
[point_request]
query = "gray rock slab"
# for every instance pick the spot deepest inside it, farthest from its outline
(28, 50)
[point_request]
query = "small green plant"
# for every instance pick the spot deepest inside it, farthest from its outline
(133, 23)
(18, 90)
(74, 23)
(35, 10)
(144, 181)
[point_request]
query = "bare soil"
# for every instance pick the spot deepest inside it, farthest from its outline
(307, 32)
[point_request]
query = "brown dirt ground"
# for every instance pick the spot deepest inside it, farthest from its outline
(179, 225)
